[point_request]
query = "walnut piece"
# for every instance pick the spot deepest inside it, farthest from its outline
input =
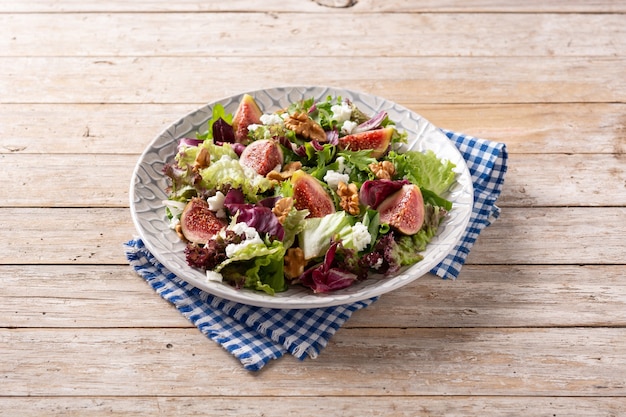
(294, 262)
(286, 173)
(282, 208)
(349, 197)
(384, 170)
(203, 159)
(179, 231)
(306, 127)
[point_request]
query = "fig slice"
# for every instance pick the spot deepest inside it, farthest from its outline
(377, 140)
(262, 156)
(247, 113)
(309, 194)
(403, 210)
(198, 223)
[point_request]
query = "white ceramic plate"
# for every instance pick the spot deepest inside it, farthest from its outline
(148, 184)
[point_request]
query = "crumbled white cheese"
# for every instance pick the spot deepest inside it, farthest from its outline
(333, 178)
(214, 276)
(341, 112)
(348, 127)
(271, 119)
(360, 236)
(251, 236)
(256, 180)
(176, 208)
(174, 222)
(253, 126)
(342, 167)
(378, 263)
(216, 204)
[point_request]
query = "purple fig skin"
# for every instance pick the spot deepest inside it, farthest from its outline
(262, 156)
(247, 113)
(377, 141)
(404, 210)
(198, 223)
(308, 194)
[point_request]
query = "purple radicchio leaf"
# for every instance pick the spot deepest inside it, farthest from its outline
(298, 150)
(261, 218)
(374, 192)
(188, 142)
(372, 123)
(234, 196)
(223, 132)
(258, 216)
(332, 137)
(317, 146)
(326, 277)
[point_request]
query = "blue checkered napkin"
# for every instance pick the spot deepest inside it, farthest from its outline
(254, 335)
(486, 162)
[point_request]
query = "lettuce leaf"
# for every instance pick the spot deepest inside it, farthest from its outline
(316, 236)
(228, 171)
(293, 224)
(425, 170)
(258, 266)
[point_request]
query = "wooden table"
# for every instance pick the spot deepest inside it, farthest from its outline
(533, 326)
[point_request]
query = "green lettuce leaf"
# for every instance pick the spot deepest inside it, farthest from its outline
(409, 246)
(257, 266)
(229, 171)
(318, 231)
(425, 170)
(293, 224)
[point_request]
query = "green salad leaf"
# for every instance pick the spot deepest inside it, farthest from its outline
(425, 169)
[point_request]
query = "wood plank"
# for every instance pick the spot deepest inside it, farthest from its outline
(361, 6)
(429, 80)
(297, 35)
(567, 180)
(578, 128)
(525, 236)
(85, 128)
(127, 128)
(364, 362)
(553, 236)
(65, 236)
(274, 406)
(532, 180)
(78, 296)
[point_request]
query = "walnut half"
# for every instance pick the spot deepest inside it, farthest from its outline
(282, 208)
(349, 195)
(384, 170)
(306, 127)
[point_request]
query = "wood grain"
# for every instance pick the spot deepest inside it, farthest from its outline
(360, 6)
(574, 128)
(348, 406)
(367, 362)
(79, 296)
(419, 80)
(296, 35)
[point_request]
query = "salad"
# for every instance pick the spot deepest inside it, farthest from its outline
(316, 194)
